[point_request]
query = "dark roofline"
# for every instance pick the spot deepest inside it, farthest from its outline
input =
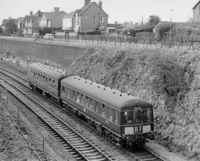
(90, 6)
(196, 5)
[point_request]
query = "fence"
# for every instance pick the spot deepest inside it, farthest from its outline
(150, 42)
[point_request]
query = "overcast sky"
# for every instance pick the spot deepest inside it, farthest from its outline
(118, 10)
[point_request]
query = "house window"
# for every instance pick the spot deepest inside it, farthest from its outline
(102, 19)
(94, 18)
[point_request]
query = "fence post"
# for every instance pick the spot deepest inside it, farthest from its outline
(182, 42)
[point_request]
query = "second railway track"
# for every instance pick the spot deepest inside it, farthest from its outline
(142, 155)
(83, 148)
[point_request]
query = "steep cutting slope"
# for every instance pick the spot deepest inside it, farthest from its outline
(167, 78)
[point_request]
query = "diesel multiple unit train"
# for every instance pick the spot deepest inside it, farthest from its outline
(123, 118)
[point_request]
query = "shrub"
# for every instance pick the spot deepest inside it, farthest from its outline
(161, 30)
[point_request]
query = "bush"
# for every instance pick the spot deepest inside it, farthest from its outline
(43, 31)
(161, 30)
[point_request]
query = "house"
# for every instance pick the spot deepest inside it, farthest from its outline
(4, 24)
(113, 28)
(52, 19)
(31, 22)
(20, 23)
(196, 12)
(91, 17)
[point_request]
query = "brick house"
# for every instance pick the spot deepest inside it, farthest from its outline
(31, 22)
(196, 12)
(52, 19)
(91, 17)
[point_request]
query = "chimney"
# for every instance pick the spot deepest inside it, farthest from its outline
(56, 9)
(100, 4)
(31, 13)
(86, 2)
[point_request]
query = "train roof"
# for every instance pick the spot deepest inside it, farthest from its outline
(106, 95)
(48, 70)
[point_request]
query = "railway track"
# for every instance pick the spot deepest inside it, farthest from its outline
(82, 148)
(140, 155)
(39, 153)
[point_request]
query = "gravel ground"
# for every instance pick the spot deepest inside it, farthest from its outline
(13, 146)
(53, 150)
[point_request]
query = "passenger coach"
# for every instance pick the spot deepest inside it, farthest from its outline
(45, 79)
(122, 117)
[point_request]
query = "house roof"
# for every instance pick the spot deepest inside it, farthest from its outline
(86, 7)
(51, 15)
(69, 15)
(5, 21)
(21, 19)
(117, 26)
(196, 5)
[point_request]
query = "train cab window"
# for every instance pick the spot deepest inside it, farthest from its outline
(127, 117)
(148, 115)
(138, 116)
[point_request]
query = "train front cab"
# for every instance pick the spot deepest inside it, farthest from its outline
(137, 125)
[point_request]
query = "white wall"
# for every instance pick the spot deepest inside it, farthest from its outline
(67, 24)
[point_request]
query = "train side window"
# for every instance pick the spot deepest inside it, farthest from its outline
(49, 79)
(103, 110)
(63, 89)
(86, 101)
(93, 105)
(106, 110)
(69, 93)
(81, 98)
(96, 107)
(110, 114)
(116, 116)
(90, 103)
(78, 97)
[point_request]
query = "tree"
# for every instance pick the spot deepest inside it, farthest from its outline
(153, 20)
(11, 26)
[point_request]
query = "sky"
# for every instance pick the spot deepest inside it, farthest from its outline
(118, 10)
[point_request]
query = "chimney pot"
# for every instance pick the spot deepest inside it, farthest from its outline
(87, 1)
(56, 9)
(31, 13)
(100, 4)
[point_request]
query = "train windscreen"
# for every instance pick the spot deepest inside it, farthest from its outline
(138, 116)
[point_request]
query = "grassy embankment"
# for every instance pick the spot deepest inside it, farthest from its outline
(169, 79)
